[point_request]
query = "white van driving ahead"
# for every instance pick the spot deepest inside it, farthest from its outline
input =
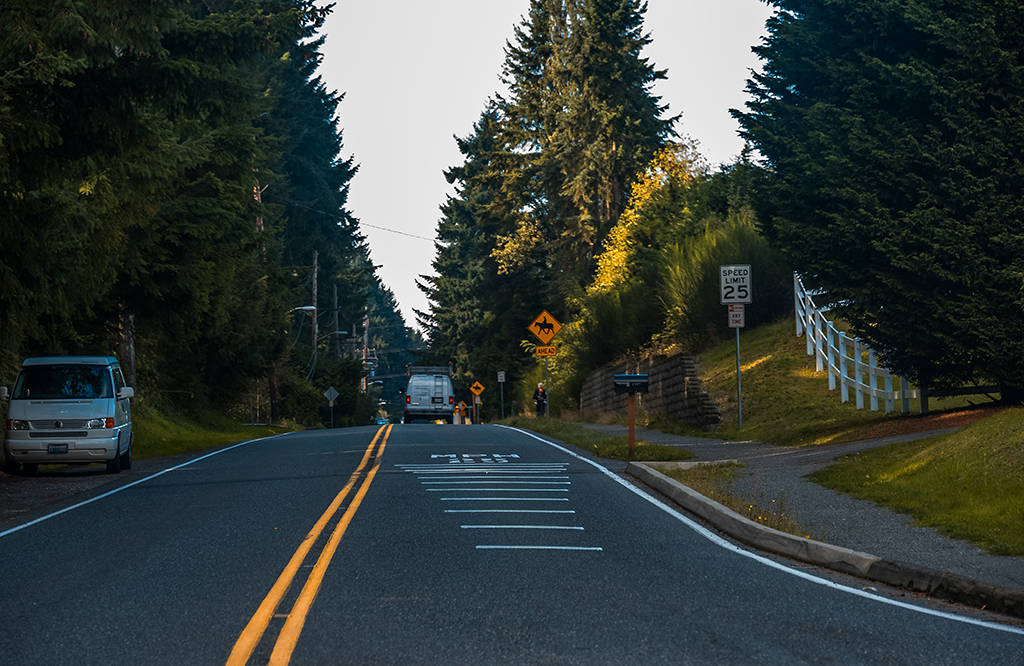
(429, 395)
(68, 409)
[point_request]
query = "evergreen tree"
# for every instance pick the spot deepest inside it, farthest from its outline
(894, 135)
(478, 317)
(582, 117)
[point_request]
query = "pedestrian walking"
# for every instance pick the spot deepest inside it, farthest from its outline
(540, 398)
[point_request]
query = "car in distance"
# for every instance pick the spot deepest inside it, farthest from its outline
(429, 395)
(68, 409)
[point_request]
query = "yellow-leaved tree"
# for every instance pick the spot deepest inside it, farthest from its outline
(678, 162)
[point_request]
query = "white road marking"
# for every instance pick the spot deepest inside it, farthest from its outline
(520, 527)
(498, 490)
(493, 481)
(506, 511)
(590, 548)
(719, 541)
(487, 476)
(504, 499)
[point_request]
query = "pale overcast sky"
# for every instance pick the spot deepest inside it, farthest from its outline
(416, 72)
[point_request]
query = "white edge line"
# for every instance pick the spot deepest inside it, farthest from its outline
(504, 499)
(717, 540)
(133, 483)
(506, 511)
(539, 548)
(496, 490)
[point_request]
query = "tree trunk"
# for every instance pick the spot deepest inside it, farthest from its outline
(128, 347)
(275, 405)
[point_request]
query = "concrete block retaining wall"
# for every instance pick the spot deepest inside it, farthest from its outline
(674, 390)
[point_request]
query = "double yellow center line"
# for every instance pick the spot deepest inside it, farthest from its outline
(289, 636)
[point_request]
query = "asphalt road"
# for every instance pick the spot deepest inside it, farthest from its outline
(422, 544)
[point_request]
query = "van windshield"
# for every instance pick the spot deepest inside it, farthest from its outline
(63, 382)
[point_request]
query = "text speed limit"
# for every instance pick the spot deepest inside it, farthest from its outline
(735, 284)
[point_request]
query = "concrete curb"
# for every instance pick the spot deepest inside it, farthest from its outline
(898, 574)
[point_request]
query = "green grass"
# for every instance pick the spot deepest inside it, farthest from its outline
(600, 444)
(785, 400)
(158, 434)
(712, 481)
(968, 485)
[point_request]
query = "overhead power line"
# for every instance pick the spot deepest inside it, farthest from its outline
(362, 224)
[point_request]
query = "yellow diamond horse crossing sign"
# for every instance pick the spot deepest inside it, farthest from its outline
(545, 327)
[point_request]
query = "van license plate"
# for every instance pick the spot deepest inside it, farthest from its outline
(57, 448)
(437, 401)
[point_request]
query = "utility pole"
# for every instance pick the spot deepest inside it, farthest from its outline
(337, 340)
(316, 256)
(366, 350)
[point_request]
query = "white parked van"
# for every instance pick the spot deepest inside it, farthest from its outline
(429, 395)
(68, 409)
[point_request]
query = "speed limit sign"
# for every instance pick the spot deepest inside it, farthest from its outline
(735, 283)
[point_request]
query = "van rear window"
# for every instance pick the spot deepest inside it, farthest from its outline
(62, 382)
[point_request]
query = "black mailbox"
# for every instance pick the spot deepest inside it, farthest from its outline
(630, 383)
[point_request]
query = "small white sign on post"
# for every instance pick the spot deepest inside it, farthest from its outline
(735, 284)
(737, 316)
(501, 377)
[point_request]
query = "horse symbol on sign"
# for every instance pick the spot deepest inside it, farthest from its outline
(545, 327)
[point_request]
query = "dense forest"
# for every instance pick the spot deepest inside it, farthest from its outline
(883, 165)
(171, 189)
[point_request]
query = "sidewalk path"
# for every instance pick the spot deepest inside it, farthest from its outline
(777, 472)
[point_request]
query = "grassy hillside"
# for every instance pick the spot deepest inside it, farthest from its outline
(787, 402)
(968, 484)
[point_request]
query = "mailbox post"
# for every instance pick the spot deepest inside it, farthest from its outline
(631, 384)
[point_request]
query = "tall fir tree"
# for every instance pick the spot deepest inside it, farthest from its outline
(893, 134)
(582, 116)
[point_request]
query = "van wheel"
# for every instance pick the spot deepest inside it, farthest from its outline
(126, 457)
(10, 467)
(114, 464)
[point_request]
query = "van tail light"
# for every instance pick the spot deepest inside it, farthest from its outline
(451, 400)
(408, 400)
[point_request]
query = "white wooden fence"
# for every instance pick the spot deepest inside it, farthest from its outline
(850, 362)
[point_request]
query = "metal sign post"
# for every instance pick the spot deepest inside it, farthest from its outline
(477, 388)
(736, 291)
(501, 381)
(545, 327)
(739, 390)
(331, 394)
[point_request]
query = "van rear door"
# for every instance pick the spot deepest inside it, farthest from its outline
(437, 397)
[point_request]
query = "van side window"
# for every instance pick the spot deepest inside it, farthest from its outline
(118, 381)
